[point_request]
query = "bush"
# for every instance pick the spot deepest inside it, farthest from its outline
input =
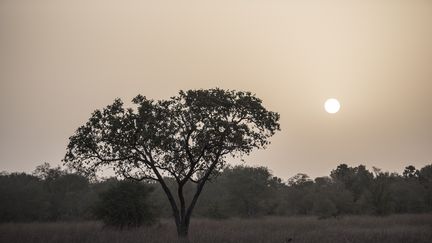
(324, 208)
(22, 198)
(125, 205)
(214, 211)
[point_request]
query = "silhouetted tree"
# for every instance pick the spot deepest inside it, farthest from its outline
(247, 188)
(410, 172)
(380, 196)
(300, 179)
(45, 171)
(299, 197)
(358, 179)
(243, 191)
(408, 196)
(22, 198)
(66, 192)
(425, 174)
(425, 177)
(187, 137)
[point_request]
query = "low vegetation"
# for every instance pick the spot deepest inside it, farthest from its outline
(350, 229)
(125, 204)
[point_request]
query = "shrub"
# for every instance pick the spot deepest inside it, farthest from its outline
(125, 205)
(324, 208)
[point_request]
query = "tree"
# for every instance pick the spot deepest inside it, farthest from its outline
(425, 176)
(380, 194)
(247, 188)
(125, 204)
(242, 191)
(187, 137)
(300, 180)
(357, 180)
(410, 172)
(45, 171)
(67, 196)
(22, 198)
(66, 192)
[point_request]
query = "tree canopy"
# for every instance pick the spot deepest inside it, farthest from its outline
(178, 137)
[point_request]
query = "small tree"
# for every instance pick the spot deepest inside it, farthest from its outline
(125, 205)
(410, 172)
(187, 137)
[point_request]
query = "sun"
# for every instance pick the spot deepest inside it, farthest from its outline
(332, 105)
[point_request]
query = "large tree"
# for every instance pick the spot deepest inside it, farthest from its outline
(188, 137)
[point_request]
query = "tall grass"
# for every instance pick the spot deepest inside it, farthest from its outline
(352, 229)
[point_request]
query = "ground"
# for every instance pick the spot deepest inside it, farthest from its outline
(352, 229)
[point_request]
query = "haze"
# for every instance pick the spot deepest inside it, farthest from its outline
(61, 60)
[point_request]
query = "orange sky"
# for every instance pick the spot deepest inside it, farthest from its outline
(60, 60)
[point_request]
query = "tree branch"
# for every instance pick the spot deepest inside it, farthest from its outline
(201, 185)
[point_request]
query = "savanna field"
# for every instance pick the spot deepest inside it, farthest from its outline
(349, 229)
(229, 121)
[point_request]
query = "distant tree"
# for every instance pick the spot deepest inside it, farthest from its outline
(324, 208)
(22, 198)
(298, 195)
(380, 194)
(66, 192)
(341, 198)
(358, 179)
(48, 173)
(410, 172)
(425, 176)
(247, 188)
(213, 202)
(45, 170)
(362, 182)
(324, 181)
(125, 204)
(68, 196)
(300, 179)
(187, 137)
(274, 203)
(345, 175)
(408, 196)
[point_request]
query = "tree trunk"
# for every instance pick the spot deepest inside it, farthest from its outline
(183, 230)
(182, 216)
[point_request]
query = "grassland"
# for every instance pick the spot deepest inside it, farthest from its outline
(352, 229)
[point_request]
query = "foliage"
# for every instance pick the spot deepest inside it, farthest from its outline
(48, 194)
(355, 179)
(126, 204)
(324, 208)
(22, 198)
(246, 188)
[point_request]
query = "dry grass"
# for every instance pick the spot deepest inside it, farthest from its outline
(395, 229)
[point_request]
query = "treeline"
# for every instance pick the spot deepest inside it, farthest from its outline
(254, 191)
(51, 194)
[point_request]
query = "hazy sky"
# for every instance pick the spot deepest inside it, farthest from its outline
(60, 60)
